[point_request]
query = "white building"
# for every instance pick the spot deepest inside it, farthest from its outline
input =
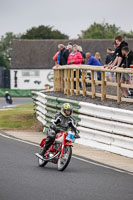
(31, 78)
(30, 68)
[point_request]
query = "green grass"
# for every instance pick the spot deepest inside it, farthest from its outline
(22, 117)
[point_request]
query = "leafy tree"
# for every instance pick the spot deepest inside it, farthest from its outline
(100, 31)
(128, 35)
(43, 32)
(5, 48)
(4, 62)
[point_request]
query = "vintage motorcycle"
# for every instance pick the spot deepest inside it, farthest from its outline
(60, 152)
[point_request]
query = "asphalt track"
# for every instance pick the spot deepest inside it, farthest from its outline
(16, 101)
(22, 179)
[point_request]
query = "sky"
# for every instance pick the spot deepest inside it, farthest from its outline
(68, 16)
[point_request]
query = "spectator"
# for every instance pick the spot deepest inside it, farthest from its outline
(75, 58)
(94, 61)
(47, 87)
(125, 78)
(82, 53)
(68, 50)
(70, 43)
(115, 46)
(109, 56)
(118, 58)
(55, 57)
(113, 56)
(61, 58)
(98, 56)
(109, 59)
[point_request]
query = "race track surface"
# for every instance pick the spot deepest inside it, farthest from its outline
(16, 101)
(22, 179)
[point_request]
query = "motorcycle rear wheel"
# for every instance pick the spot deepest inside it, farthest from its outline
(64, 161)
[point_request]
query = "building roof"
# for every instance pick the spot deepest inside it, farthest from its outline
(31, 54)
(38, 54)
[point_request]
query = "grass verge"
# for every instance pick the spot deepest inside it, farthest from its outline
(20, 118)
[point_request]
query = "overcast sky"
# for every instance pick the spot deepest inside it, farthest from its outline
(69, 16)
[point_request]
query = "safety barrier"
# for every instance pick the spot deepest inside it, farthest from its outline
(106, 128)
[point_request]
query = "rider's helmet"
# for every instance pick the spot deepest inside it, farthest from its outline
(65, 107)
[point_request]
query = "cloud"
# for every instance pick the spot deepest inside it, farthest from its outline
(69, 16)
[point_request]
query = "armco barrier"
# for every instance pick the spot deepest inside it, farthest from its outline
(102, 127)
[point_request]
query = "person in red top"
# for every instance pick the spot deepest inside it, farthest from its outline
(75, 58)
(55, 57)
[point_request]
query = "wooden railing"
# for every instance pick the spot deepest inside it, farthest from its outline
(64, 81)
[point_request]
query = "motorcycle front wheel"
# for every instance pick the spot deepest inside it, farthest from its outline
(42, 163)
(64, 161)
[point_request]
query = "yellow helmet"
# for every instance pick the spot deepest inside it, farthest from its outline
(65, 107)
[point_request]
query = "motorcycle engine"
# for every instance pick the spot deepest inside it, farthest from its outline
(56, 146)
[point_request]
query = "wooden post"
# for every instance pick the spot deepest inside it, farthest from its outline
(118, 88)
(83, 82)
(62, 80)
(55, 80)
(72, 82)
(103, 86)
(59, 80)
(92, 84)
(77, 81)
(68, 82)
(65, 81)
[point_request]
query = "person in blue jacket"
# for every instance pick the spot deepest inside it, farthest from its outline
(94, 61)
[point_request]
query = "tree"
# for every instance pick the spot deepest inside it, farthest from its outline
(128, 35)
(4, 62)
(101, 31)
(5, 48)
(43, 32)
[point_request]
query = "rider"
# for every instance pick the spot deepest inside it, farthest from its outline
(60, 122)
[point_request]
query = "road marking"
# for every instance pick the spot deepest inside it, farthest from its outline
(75, 157)
(102, 165)
(19, 140)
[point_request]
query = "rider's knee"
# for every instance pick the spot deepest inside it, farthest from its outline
(51, 133)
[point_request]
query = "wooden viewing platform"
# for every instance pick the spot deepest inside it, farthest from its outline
(64, 81)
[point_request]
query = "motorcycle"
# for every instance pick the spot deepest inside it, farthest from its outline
(60, 152)
(8, 99)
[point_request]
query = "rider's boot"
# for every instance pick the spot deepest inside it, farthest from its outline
(48, 143)
(45, 148)
(77, 136)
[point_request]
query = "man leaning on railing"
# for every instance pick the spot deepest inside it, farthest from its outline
(128, 62)
(118, 57)
(95, 62)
